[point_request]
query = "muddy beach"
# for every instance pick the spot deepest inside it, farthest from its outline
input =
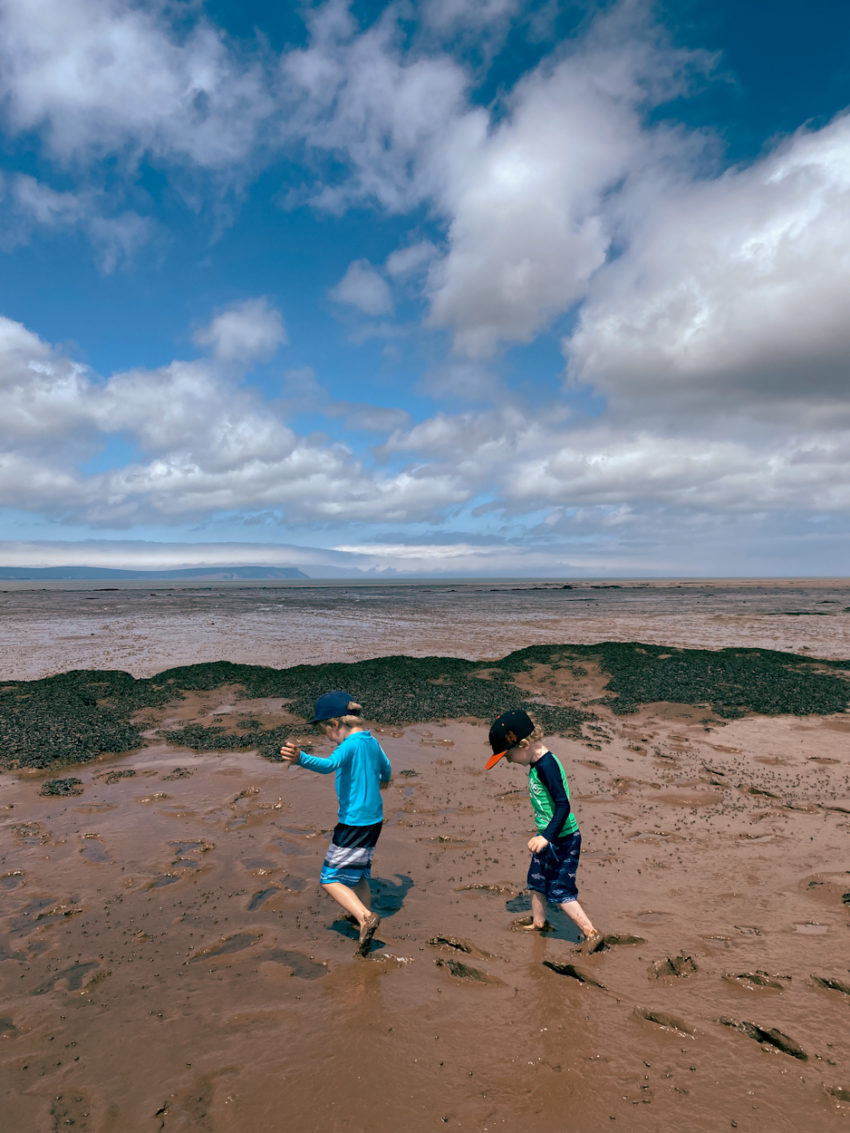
(168, 963)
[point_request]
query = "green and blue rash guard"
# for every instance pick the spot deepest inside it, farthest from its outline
(361, 766)
(550, 798)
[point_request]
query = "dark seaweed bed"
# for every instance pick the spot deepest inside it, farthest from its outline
(75, 717)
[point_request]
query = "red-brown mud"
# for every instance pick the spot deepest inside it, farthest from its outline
(167, 961)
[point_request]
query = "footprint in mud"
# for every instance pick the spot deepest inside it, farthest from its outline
(459, 945)
(74, 976)
(651, 916)
(668, 1022)
(463, 971)
(677, 966)
(183, 861)
(12, 879)
(30, 834)
(227, 947)
(26, 917)
(7, 1027)
(291, 848)
(574, 973)
(93, 850)
(42, 911)
(261, 896)
(185, 852)
(498, 890)
(757, 979)
(303, 967)
(769, 1036)
(831, 984)
(163, 880)
(748, 929)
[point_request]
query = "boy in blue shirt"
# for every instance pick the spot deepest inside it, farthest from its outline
(556, 847)
(362, 771)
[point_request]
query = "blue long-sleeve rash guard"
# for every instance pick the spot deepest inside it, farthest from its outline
(361, 766)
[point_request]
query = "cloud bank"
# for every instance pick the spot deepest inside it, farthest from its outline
(701, 309)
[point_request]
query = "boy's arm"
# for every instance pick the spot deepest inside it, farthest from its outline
(550, 777)
(324, 766)
(386, 771)
(313, 762)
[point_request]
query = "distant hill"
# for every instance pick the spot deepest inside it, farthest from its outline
(211, 574)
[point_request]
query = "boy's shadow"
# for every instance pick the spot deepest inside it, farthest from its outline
(387, 898)
(562, 927)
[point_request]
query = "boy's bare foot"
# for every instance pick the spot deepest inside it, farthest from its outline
(526, 924)
(591, 943)
(367, 931)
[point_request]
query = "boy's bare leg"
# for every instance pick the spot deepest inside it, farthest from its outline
(364, 892)
(538, 909)
(350, 898)
(351, 902)
(579, 917)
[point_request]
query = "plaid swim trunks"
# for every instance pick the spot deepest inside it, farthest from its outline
(553, 873)
(349, 856)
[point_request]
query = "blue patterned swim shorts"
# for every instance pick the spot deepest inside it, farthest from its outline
(553, 873)
(349, 856)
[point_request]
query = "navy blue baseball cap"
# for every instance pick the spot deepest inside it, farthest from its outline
(332, 705)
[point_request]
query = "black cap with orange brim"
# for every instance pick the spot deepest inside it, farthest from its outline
(506, 731)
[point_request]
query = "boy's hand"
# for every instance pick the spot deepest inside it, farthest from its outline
(289, 752)
(537, 844)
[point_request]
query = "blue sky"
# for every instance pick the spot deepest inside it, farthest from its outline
(455, 287)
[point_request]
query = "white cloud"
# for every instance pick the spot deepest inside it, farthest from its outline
(364, 288)
(101, 76)
(548, 462)
(43, 393)
(116, 238)
(245, 333)
(451, 16)
(523, 191)
(139, 554)
(529, 206)
(45, 205)
(733, 295)
(410, 260)
(205, 447)
(359, 98)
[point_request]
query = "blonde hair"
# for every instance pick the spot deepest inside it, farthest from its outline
(352, 719)
(537, 734)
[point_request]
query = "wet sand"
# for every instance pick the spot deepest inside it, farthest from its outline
(144, 628)
(168, 963)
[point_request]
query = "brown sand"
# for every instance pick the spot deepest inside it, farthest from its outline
(144, 629)
(168, 963)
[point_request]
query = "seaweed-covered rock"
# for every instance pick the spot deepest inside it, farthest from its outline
(75, 717)
(70, 786)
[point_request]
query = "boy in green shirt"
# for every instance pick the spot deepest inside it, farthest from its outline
(556, 847)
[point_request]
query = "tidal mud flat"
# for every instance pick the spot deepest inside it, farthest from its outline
(144, 628)
(168, 963)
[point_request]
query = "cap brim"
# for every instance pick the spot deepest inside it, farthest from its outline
(493, 760)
